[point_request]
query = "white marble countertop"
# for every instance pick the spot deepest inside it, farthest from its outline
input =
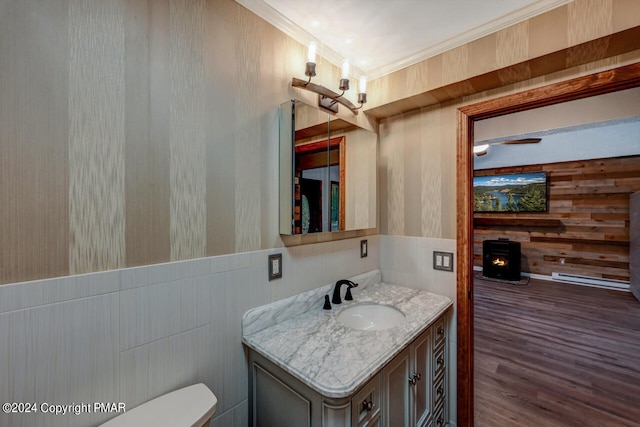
(309, 343)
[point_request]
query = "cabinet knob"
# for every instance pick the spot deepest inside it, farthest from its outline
(415, 378)
(440, 391)
(440, 420)
(440, 330)
(440, 361)
(367, 405)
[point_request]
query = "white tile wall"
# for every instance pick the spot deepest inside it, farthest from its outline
(59, 353)
(408, 261)
(133, 334)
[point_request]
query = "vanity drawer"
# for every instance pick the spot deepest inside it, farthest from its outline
(439, 362)
(439, 392)
(440, 331)
(439, 417)
(367, 403)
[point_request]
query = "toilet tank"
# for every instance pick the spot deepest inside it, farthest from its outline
(191, 406)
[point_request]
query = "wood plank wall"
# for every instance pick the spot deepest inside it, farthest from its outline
(586, 227)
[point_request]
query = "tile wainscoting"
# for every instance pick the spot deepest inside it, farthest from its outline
(133, 334)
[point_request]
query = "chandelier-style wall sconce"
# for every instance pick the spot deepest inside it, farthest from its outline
(329, 99)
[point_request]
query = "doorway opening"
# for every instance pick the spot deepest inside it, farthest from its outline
(625, 77)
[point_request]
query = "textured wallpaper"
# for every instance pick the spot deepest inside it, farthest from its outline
(96, 136)
(149, 128)
(560, 32)
(417, 148)
(187, 139)
(142, 131)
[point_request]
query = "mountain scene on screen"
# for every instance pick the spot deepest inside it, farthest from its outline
(525, 192)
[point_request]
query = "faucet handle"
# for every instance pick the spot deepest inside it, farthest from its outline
(336, 291)
(348, 296)
(327, 304)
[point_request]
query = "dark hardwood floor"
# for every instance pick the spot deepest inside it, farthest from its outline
(555, 354)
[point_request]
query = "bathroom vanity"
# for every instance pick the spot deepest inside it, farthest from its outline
(307, 368)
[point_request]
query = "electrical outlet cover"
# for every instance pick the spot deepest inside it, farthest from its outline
(275, 266)
(443, 261)
(364, 250)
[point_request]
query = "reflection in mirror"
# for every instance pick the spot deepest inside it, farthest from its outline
(319, 176)
(327, 172)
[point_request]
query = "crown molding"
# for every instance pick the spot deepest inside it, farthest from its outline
(476, 33)
(291, 29)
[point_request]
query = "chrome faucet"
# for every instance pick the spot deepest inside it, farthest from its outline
(336, 291)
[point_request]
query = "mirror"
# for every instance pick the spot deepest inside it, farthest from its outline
(327, 172)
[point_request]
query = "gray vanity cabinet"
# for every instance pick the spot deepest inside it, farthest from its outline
(409, 382)
(410, 390)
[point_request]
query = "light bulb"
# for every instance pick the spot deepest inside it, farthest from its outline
(363, 84)
(311, 53)
(345, 69)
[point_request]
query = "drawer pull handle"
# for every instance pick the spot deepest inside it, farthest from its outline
(367, 405)
(415, 378)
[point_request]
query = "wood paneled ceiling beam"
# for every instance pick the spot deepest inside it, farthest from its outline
(605, 47)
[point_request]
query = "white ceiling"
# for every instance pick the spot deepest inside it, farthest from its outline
(382, 36)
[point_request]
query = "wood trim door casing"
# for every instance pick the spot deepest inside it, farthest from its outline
(620, 78)
(338, 143)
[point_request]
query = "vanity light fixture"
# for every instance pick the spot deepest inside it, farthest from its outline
(329, 99)
(310, 69)
(344, 81)
(362, 93)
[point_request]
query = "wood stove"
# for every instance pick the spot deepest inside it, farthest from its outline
(501, 259)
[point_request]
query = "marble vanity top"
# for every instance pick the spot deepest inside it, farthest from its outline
(309, 343)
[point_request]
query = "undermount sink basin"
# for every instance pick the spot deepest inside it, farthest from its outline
(371, 317)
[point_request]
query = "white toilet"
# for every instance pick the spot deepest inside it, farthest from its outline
(192, 406)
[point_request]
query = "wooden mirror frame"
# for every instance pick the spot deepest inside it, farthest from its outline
(621, 78)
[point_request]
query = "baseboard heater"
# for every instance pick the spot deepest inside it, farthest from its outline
(591, 281)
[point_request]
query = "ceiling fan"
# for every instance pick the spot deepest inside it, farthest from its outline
(482, 149)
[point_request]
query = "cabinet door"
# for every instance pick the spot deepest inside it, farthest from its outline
(395, 379)
(421, 373)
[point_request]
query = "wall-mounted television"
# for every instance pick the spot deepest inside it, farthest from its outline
(508, 193)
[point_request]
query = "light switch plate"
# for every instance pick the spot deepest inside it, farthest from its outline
(275, 266)
(364, 250)
(443, 261)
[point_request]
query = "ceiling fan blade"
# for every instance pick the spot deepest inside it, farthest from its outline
(482, 149)
(522, 141)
